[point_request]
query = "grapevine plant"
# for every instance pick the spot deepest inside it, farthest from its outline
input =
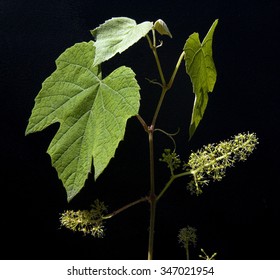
(93, 111)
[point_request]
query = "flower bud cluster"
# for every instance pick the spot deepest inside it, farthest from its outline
(187, 236)
(86, 221)
(212, 160)
(171, 159)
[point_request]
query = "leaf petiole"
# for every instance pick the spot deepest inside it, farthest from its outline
(154, 50)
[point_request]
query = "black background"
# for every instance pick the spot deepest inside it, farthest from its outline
(238, 217)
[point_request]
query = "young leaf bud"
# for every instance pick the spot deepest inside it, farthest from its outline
(161, 27)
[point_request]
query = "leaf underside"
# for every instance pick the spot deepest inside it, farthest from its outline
(116, 35)
(201, 69)
(92, 113)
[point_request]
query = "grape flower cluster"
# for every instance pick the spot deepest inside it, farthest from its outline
(86, 221)
(187, 236)
(212, 160)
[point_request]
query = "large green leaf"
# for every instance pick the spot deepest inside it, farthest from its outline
(92, 113)
(116, 35)
(201, 69)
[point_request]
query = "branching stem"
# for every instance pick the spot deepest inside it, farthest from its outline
(143, 123)
(172, 178)
(150, 130)
(108, 216)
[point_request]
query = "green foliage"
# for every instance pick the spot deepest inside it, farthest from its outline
(201, 69)
(116, 35)
(92, 113)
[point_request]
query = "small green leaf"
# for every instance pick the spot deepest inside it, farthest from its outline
(116, 35)
(161, 27)
(201, 69)
(92, 113)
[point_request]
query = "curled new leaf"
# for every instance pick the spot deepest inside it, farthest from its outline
(92, 113)
(161, 27)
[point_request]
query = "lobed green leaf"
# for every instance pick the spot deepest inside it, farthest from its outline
(92, 113)
(201, 69)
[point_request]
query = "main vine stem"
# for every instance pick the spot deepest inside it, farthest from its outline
(152, 196)
(150, 130)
